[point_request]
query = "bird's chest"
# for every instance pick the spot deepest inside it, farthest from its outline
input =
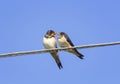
(49, 42)
(63, 42)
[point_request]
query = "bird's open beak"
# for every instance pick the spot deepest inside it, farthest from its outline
(53, 34)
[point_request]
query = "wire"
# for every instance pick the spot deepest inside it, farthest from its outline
(60, 49)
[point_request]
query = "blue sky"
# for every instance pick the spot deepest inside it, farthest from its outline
(23, 24)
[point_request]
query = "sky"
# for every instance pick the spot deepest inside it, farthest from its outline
(23, 24)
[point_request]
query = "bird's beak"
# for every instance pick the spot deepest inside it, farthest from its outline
(53, 35)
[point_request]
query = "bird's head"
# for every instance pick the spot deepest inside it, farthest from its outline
(50, 34)
(60, 35)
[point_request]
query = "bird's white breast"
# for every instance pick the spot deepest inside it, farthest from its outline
(49, 42)
(63, 42)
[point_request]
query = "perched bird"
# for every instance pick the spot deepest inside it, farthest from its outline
(64, 41)
(49, 42)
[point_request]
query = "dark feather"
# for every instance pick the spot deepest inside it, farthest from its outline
(57, 60)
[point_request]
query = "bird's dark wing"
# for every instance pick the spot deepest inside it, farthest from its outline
(70, 42)
(68, 39)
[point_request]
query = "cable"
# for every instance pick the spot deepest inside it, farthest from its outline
(60, 49)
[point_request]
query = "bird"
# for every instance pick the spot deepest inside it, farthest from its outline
(49, 42)
(64, 41)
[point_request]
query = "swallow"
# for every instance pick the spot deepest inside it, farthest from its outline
(49, 42)
(64, 41)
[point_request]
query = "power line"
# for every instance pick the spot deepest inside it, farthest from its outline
(60, 49)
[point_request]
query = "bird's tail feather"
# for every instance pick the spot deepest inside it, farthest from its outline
(78, 54)
(57, 60)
